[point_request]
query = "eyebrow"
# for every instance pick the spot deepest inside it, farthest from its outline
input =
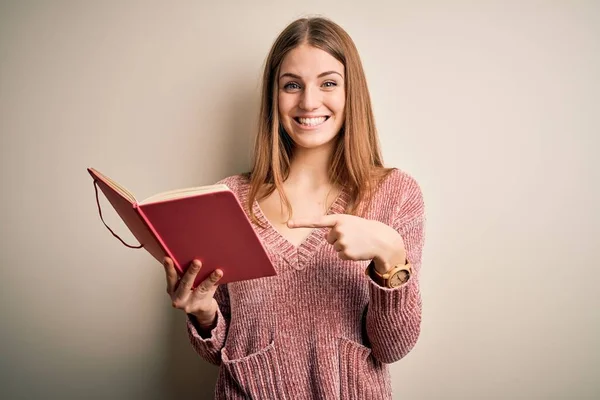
(322, 74)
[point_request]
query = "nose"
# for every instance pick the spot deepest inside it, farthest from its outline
(310, 99)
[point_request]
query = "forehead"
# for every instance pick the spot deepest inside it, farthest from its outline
(308, 61)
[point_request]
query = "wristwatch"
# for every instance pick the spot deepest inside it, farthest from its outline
(395, 277)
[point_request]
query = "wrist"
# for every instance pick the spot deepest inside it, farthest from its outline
(388, 248)
(389, 256)
(204, 331)
(205, 319)
(205, 323)
(395, 277)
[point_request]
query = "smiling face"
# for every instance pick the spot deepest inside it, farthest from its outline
(311, 96)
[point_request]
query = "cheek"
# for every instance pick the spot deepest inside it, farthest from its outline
(285, 105)
(338, 102)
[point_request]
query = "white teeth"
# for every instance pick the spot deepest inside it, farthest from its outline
(312, 121)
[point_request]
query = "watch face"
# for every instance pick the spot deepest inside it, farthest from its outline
(398, 278)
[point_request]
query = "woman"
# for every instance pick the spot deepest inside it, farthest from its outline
(344, 233)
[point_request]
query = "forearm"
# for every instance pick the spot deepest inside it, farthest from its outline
(389, 250)
(393, 321)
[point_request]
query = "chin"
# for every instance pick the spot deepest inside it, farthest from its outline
(317, 141)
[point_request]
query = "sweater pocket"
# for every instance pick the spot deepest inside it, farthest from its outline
(361, 375)
(258, 375)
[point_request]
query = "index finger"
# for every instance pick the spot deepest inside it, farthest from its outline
(321, 222)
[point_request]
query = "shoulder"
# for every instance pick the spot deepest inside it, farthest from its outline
(398, 178)
(237, 183)
(404, 194)
(399, 184)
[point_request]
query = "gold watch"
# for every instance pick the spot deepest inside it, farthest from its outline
(395, 277)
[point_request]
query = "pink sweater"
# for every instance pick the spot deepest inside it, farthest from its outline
(320, 329)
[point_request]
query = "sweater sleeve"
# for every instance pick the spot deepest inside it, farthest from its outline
(393, 320)
(209, 347)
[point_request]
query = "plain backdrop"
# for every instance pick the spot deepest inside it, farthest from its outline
(493, 106)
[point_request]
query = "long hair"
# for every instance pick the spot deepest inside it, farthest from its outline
(356, 163)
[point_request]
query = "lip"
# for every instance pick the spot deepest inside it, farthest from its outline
(311, 128)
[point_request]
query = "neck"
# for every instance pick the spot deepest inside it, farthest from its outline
(309, 168)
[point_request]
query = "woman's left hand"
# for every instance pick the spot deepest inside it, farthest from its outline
(355, 238)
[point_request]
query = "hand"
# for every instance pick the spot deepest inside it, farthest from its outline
(356, 238)
(199, 302)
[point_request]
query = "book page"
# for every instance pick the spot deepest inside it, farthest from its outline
(185, 192)
(118, 188)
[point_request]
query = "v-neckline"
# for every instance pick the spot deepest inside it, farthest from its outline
(298, 255)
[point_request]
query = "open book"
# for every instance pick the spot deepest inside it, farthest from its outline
(205, 223)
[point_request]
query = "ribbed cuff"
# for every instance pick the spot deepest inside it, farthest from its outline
(384, 300)
(393, 320)
(210, 347)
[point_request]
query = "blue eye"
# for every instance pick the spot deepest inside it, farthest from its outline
(291, 86)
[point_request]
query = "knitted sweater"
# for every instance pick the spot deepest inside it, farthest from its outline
(320, 328)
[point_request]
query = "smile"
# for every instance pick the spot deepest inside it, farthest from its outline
(310, 122)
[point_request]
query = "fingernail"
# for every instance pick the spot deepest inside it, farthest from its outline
(218, 273)
(196, 264)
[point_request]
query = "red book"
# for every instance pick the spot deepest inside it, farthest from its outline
(205, 223)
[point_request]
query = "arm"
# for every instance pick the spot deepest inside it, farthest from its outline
(393, 320)
(209, 342)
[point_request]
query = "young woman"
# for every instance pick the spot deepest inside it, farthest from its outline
(344, 233)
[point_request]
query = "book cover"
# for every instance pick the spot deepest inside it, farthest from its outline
(208, 224)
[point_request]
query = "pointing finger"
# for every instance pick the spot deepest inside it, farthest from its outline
(320, 222)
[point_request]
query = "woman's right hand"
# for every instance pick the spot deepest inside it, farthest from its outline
(198, 302)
